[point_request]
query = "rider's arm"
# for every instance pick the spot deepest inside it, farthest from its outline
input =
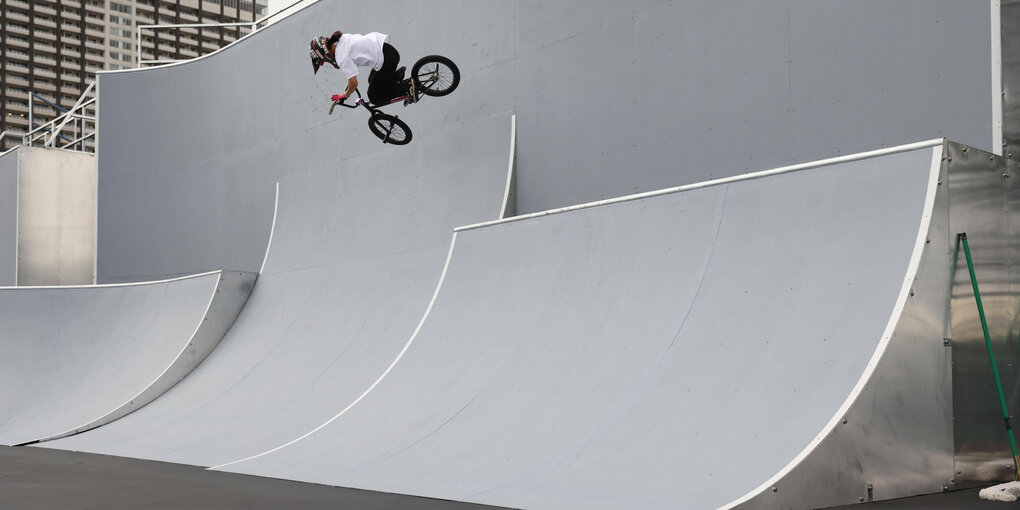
(352, 83)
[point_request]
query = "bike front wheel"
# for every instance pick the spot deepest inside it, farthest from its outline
(390, 129)
(436, 75)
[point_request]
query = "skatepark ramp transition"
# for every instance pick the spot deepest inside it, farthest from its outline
(761, 341)
(76, 358)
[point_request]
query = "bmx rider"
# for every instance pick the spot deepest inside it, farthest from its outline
(347, 52)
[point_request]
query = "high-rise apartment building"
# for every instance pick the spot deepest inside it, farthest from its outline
(51, 49)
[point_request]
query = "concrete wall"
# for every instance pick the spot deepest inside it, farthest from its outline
(56, 217)
(8, 217)
(612, 98)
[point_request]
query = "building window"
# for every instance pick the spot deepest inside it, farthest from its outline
(120, 8)
(120, 56)
(119, 20)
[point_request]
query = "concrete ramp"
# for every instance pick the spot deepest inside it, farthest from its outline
(76, 358)
(737, 342)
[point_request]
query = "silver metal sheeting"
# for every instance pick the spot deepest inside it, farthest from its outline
(78, 357)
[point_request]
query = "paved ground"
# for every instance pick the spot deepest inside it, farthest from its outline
(36, 478)
(956, 500)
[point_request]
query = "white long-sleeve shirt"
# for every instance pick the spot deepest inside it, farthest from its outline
(353, 50)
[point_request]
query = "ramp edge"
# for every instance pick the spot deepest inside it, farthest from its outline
(755, 175)
(225, 303)
(876, 358)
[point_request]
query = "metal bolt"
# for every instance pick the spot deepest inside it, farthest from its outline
(775, 489)
(946, 341)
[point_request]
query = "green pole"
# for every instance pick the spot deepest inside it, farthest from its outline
(991, 356)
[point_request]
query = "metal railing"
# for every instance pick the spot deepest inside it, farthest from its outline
(82, 120)
(253, 25)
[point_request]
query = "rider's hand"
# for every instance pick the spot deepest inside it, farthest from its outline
(338, 97)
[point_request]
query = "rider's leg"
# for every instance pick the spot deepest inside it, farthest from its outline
(384, 84)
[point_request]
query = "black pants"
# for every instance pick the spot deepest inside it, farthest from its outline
(384, 85)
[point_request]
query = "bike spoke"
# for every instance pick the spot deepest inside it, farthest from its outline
(435, 77)
(393, 131)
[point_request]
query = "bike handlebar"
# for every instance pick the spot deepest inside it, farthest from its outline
(345, 105)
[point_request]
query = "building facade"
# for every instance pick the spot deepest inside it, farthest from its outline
(52, 49)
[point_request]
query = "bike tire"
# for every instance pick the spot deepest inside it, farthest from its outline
(436, 75)
(390, 129)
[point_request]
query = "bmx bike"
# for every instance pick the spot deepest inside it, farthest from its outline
(434, 75)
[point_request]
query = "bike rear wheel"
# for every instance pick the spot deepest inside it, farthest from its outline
(390, 129)
(436, 75)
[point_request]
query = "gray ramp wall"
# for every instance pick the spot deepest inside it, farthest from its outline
(78, 357)
(356, 255)
(612, 98)
(671, 351)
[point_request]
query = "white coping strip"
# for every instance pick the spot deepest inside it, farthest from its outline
(996, 30)
(272, 229)
(428, 310)
(890, 327)
(510, 166)
(716, 182)
(98, 422)
(95, 218)
(200, 57)
(108, 285)
(17, 214)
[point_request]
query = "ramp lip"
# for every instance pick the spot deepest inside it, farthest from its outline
(272, 229)
(876, 358)
(510, 167)
(110, 285)
(716, 182)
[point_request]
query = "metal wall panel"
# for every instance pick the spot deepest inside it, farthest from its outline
(984, 193)
(615, 98)
(56, 217)
(612, 98)
(9, 217)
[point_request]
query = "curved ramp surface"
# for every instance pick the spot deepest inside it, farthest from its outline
(356, 255)
(76, 358)
(671, 351)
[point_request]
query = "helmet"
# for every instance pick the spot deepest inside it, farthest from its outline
(320, 53)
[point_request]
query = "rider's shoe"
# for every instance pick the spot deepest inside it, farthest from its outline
(400, 73)
(412, 93)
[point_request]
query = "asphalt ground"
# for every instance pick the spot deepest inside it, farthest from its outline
(39, 478)
(966, 499)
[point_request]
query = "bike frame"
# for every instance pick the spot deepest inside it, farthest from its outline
(374, 110)
(361, 102)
